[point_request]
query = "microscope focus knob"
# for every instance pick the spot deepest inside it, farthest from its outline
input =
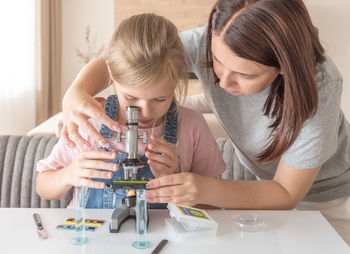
(119, 136)
(144, 137)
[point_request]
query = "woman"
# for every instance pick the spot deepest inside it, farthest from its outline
(267, 79)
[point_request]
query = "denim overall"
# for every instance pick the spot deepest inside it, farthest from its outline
(112, 198)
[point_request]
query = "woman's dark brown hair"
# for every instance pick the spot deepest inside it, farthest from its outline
(275, 33)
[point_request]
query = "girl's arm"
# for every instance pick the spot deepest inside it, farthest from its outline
(54, 184)
(79, 105)
(285, 191)
(50, 184)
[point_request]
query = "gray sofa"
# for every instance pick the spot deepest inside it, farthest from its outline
(18, 158)
(19, 155)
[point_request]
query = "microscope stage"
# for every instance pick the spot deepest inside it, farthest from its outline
(127, 185)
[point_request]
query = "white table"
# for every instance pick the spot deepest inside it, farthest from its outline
(286, 232)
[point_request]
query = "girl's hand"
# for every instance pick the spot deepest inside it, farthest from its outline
(77, 112)
(161, 157)
(80, 172)
(186, 189)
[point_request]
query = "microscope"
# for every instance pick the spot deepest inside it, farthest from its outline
(130, 165)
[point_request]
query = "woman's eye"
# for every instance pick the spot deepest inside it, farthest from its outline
(160, 100)
(248, 76)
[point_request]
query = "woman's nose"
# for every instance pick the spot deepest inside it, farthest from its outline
(226, 79)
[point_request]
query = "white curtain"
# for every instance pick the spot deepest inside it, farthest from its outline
(17, 66)
(48, 56)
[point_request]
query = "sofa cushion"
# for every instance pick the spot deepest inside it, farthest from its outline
(18, 158)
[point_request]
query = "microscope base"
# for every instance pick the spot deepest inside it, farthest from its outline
(120, 215)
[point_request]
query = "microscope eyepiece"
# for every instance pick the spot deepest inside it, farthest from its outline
(131, 114)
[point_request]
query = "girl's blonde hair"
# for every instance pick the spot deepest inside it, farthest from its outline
(143, 50)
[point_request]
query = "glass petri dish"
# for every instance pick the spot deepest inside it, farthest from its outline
(248, 223)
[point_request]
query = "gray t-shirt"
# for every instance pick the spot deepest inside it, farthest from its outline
(323, 141)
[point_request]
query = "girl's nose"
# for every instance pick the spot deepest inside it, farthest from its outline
(146, 109)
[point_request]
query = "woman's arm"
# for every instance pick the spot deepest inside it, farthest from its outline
(285, 191)
(79, 105)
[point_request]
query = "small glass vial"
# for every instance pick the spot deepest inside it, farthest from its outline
(79, 214)
(141, 220)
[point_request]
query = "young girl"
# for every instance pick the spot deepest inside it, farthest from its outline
(146, 61)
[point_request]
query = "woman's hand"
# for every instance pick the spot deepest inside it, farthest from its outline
(186, 189)
(77, 112)
(79, 105)
(86, 166)
(161, 157)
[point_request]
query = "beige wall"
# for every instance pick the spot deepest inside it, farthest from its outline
(332, 17)
(185, 14)
(76, 15)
